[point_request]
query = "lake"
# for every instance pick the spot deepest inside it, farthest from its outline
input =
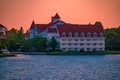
(60, 67)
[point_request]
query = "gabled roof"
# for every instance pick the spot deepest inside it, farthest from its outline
(2, 26)
(56, 16)
(73, 28)
(52, 30)
(43, 27)
(32, 25)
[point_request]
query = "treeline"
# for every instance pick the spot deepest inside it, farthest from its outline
(112, 41)
(16, 41)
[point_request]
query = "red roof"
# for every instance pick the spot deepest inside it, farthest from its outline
(52, 30)
(79, 28)
(32, 25)
(56, 16)
(43, 27)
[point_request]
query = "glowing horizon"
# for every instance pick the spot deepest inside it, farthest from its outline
(17, 13)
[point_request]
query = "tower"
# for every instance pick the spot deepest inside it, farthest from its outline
(55, 18)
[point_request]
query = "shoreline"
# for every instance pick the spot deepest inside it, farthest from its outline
(13, 54)
(7, 55)
(68, 53)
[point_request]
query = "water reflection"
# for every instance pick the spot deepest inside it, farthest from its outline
(46, 67)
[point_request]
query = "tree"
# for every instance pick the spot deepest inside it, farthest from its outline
(2, 46)
(35, 44)
(42, 44)
(112, 41)
(98, 23)
(14, 39)
(20, 37)
(53, 43)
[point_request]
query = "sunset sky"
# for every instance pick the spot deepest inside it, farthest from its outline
(17, 13)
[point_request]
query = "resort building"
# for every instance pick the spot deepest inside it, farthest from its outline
(71, 37)
(2, 31)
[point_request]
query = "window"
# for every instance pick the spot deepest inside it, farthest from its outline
(75, 44)
(69, 39)
(94, 44)
(88, 44)
(69, 48)
(76, 39)
(88, 39)
(100, 43)
(101, 49)
(95, 34)
(94, 39)
(70, 34)
(76, 34)
(63, 48)
(63, 43)
(100, 39)
(76, 49)
(82, 39)
(88, 49)
(88, 34)
(69, 44)
(63, 39)
(81, 44)
(101, 34)
(63, 34)
(82, 34)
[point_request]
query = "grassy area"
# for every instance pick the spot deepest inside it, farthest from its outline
(7, 55)
(113, 52)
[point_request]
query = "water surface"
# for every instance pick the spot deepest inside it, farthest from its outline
(56, 67)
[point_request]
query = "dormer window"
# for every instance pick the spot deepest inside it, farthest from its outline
(82, 34)
(63, 34)
(95, 34)
(76, 34)
(88, 34)
(101, 34)
(70, 34)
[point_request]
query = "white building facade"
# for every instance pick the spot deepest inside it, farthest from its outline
(71, 37)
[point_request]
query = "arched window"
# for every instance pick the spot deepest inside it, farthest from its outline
(101, 34)
(63, 34)
(70, 34)
(88, 34)
(95, 34)
(76, 34)
(82, 34)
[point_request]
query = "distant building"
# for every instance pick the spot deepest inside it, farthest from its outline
(71, 37)
(2, 31)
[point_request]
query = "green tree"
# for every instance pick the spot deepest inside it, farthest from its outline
(53, 43)
(41, 46)
(35, 44)
(98, 23)
(2, 46)
(11, 39)
(20, 37)
(112, 41)
(14, 39)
